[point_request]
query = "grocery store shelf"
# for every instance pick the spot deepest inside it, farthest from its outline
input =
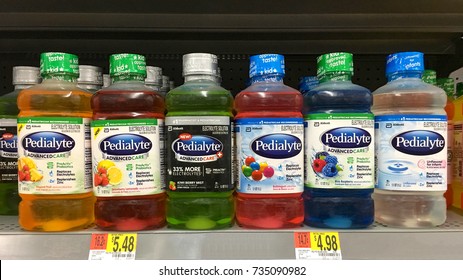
(376, 242)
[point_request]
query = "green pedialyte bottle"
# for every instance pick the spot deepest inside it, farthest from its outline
(199, 148)
(23, 77)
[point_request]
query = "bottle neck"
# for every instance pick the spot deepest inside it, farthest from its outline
(275, 78)
(89, 87)
(128, 77)
(404, 75)
(22, 86)
(154, 87)
(61, 77)
(336, 76)
(189, 78)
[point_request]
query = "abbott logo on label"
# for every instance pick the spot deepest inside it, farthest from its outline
(277, 146)
(197, 148)
(419, 142)
(346, 137)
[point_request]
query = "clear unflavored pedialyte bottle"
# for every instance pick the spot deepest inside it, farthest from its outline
(199, 148)
(127, 147)
(23, 77)
(411, 150)
(54, 147)
(270, 148)
(339, 147)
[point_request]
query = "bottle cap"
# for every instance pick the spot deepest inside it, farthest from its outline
(153, 75)
(459, 89)
(165, 82)
(429, 76)
(26, 75)
(447, 85)
(127, 63)
(264, 64)
(335, 62)
(89, 74)
(200, 64)
(307, 83)
(171, 84)
(404, 61)
(59, 63)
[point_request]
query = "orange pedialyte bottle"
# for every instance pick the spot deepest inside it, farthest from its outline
(54, 149)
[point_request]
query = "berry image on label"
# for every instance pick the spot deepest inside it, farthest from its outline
(326, 165)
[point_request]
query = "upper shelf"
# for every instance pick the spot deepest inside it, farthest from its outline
(290, 27)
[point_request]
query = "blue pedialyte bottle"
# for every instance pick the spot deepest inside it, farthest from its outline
(411, 150)
(339, 148)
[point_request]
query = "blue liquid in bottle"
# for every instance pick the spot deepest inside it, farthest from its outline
(339, 148)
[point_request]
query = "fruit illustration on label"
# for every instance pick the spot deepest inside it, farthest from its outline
(326, 165)
(107, 173)
(27, 170)
(172, 185)
(256, 170)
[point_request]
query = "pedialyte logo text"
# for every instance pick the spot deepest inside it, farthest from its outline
(277, 146)
(8, 146)
(124, 147)
(197, 148)
(419, 142)
(47, 144)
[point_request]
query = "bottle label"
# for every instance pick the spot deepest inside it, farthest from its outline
(340, 151)
(457, 153)
(199, 154)
(54, 155)
(270, 155)
(8, 151)
(128, 157)
(411, 152)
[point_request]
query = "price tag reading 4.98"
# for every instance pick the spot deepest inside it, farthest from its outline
(325, 241)
(119, 242)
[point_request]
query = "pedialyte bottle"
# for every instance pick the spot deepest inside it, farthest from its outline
(411, 149)
(127, 148)
(199, 148)
(54, 147)
(23, 77)
(270, 148)
(448, 86)
(339, 148)
(90, 78)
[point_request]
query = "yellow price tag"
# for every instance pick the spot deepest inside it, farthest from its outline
(325, 241)
(121, 242)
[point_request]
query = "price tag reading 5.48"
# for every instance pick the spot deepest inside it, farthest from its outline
(118, 242)
(113, 246)
(325, 241)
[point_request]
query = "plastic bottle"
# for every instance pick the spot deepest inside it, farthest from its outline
(54, 147)
(153, 78)
(448, 86)
(199, 148)
(23, 77)
(90, 78)
(307, 83)
(270, 148)
(457, 151)
(127, 149)
(411, 150)
(340, 148)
